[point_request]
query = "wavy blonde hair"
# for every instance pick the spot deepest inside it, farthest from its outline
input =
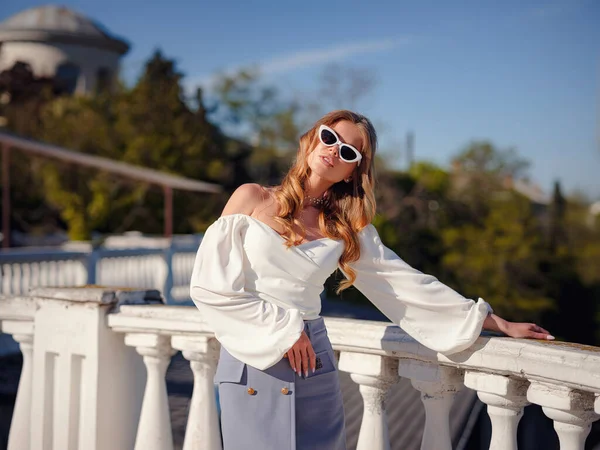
(348, 208)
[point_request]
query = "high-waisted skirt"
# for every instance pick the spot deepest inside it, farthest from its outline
(277, 409)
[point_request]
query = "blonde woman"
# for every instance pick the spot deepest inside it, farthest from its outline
(261, 267)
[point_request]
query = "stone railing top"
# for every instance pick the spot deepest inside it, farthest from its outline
(105, 295)
(574, 365)
(17, 308)
(159, 319)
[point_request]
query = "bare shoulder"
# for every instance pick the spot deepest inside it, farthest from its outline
(245, 199)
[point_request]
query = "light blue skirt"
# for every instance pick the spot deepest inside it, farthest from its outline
(276, 409)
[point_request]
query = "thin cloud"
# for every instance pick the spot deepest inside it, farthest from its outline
(547, 11)
(310, 58)
(556, 8)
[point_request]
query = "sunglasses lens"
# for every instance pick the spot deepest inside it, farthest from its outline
(347, 154)
(328, 137)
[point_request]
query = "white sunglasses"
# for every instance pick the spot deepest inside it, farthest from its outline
(347, 152)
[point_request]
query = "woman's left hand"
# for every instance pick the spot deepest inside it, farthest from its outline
(526, 330)
(516, 329)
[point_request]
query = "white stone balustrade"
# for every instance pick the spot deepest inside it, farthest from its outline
(438, 386)
(571, 410)
(154, 428)
(16, 319)
(142, 263)
(505, 399)
(202, 432)
(374, 375)
(106, 362)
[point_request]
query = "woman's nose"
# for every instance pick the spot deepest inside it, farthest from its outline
(335, 149)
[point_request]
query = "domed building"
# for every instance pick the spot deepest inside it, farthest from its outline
(58, 42)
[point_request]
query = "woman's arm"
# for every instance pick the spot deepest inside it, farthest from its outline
(515, 329)
(431, 312)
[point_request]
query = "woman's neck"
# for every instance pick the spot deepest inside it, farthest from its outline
(315, 188)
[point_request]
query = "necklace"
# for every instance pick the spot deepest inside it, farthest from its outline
(317, 202)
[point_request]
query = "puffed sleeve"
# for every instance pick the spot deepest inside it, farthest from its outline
(431, 312)
(254, 331)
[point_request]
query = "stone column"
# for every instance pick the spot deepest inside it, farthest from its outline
(374, 375)
(154, 428)
(19, 435)
(571, 410)
(202, 431)
(438, 386)
(87, 384)
(505, 399)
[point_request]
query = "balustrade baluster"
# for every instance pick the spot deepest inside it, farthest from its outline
(571, 410)
(505, 399)
(19, 436)
(374, 375)
(438, 386)
(154, 430)
(202, 431)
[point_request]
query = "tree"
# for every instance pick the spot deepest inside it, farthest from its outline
(342, 87)
(259, 113)
(500, 259)
(256, 113)
(557, 227)
(480, 171)
(22, 97)
(149, 125)
(572, 265)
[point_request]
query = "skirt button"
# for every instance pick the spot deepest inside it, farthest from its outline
(285, 391)
(251, 391)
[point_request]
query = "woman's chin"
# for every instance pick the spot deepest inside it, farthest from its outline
(325, 173)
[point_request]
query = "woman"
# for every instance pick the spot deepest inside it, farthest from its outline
(261, 267)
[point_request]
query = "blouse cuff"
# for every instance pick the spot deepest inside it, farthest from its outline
(490, 310)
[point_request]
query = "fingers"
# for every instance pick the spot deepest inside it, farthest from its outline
(313, 359)
(540, 333)
(302, 356)
(544, 336)
(304, 367)
(297, 360)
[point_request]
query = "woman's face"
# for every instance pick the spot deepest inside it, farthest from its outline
(325, 161)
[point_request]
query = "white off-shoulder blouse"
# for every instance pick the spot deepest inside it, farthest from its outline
(255, 293)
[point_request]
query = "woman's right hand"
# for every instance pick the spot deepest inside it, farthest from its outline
(301, 355)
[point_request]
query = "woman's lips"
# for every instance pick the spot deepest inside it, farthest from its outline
(326, 160)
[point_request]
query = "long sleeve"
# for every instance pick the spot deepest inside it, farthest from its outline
(432, 313)
(253, 330)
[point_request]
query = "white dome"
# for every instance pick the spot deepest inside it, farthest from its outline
(58, 23)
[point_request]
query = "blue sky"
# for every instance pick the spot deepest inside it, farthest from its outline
(523, 74)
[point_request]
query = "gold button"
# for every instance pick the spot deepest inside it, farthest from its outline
(285, 391)
(251, 391)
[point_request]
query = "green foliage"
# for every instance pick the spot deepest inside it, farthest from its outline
(484, 158)
(500, 259)
(431, 177)
(480, 172)
(148, 125)
(247, 107)
(573, 269)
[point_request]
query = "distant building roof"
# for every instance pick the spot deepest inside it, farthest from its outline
(532, 191)
(52, 23)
